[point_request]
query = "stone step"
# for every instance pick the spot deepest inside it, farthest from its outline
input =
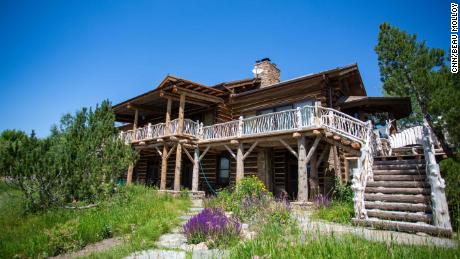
(397, 206)
(400, 171)
(399, 178)
(418, 198)
(400, 215)
(398, 167)
(389, 190)
(404, 226)
(402, 184)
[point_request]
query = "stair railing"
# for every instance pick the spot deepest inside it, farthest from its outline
(439, 206)
(363, 173)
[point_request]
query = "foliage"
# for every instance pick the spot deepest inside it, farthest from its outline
(450, 169)
(321, 201)
(248, 197)
(410, 68)
(64, 237)
(80, 161)
(337, 211)
(277, 244)
(342, 192)
(212, 225)
(138, 213)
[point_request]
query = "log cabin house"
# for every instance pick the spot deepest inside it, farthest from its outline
(297, 136)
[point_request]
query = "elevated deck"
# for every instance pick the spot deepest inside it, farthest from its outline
(305, 119)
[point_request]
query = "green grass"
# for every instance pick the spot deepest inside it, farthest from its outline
(138, 213)
(338, 212)
(286, 241)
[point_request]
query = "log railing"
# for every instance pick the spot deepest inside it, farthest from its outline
(343, 123)
(363, 173)
(220, 131)
(283, 121)
(439, 207)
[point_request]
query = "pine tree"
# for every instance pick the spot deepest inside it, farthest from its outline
(409, 68)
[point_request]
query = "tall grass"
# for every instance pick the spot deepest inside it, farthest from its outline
(286, 241)
(337, 211)
(137, 210)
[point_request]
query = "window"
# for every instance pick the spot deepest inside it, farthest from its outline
(224, 170)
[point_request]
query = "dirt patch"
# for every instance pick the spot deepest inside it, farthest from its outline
(95, 247)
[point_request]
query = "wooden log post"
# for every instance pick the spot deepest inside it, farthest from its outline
(168, 116)
(196, 168)
(180, 127)
(303, 160)
(314, 181)
(302, 193)
(129, 177)
(239, 162)
(164, 167)
(177, 171)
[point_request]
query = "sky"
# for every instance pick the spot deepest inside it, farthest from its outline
(58, 56)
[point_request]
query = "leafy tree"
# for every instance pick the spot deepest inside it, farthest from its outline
(80, 161)
(410, 68)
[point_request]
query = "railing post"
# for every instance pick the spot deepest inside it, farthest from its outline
(439, 206)
(201, 132)
(149, 131)
(317, 113)
(240, 126)
(299, 118)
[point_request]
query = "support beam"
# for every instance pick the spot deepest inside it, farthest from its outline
(313, 149)
(164, 166)
(196, 168)
(158, 150)
(321, 157)
(129, 177)
(177, 172)
(204, 152)
(189, 156)
(314, 180)
(230, 151)
(180, 126)
(239, 163)
(289, 148)
(250, 150)
(302, 193)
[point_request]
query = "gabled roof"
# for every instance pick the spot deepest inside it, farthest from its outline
(399, 106)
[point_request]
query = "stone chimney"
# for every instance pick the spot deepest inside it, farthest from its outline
(267, 71)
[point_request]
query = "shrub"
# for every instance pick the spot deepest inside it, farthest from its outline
(321, 201)
(212, 225)
(64, 237)
(450, 169)
(79, 161)
(342, 192)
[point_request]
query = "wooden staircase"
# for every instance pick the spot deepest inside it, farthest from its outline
(399, 198)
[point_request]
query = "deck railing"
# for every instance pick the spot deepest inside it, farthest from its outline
(221, 130)
(343, 123)
(289, 120)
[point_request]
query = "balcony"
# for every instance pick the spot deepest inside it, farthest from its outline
(307, 117)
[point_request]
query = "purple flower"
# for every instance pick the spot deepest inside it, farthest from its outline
(211, 224)
(321, 201)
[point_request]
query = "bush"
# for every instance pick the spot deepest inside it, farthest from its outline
(79, 161)
(321, 201)
(64, 238)
(214, 226)
(342, 192)
(450, 169)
